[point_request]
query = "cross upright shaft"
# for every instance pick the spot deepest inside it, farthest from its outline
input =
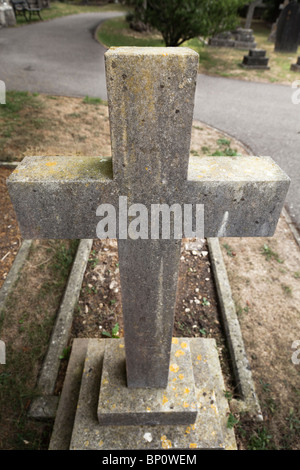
(150, 136)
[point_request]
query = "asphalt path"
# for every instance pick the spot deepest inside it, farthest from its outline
(62, 57)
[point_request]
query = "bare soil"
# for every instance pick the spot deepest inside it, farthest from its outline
(266, 292)
(264, 275)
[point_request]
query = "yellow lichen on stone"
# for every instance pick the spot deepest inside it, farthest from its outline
(174, 368)
(165, 443)
(165, 400)
(179, 353)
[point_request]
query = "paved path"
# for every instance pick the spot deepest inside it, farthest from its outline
(61, 57)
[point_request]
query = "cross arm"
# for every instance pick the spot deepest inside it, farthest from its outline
(242, 196)
(57, 197)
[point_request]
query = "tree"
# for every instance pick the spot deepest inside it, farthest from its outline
(181, 20)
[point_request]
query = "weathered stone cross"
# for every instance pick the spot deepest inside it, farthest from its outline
(151, 98)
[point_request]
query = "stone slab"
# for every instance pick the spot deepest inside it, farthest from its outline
(295, 67)
(63, 425)
(175, 404)
(14, 272)
(208, 432)
(43, 407)
(256, 61)
(257, 53)
(57, 197)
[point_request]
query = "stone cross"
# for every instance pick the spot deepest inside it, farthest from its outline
(250, 12)
(151, 100)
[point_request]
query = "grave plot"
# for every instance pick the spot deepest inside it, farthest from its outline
(151, 94)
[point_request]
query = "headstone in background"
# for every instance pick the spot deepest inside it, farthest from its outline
(225, 39)
(7, 16)
(244, 39)
(296, 67)
(288, 29)
(241, 38)
(256, 59)
(272, 36)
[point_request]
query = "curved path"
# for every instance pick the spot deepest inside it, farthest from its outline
(61, 57)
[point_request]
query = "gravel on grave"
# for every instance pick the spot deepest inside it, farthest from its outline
(99, 311)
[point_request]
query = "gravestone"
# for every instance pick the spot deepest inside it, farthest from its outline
(225, 39)
(244, 38)
(149, 378)
(7, 16)
(288, 29)
(241, 38)
(250, 12)
(296, 67)
(256, 59)
(272, 36)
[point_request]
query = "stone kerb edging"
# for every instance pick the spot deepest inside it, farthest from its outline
(234, 339)
(45, 405)
(14, 272)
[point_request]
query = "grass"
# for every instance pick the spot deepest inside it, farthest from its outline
(270, 254)
(228, 249)
(225, 62)
(29, 122)
(93, 101)
(59, 9)
(26, 327)
(20, 118)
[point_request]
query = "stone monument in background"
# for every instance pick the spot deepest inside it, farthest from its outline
(288, 28)
(7, 16)
(240, 38)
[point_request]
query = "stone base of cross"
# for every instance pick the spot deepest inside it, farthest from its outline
(148, 379)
